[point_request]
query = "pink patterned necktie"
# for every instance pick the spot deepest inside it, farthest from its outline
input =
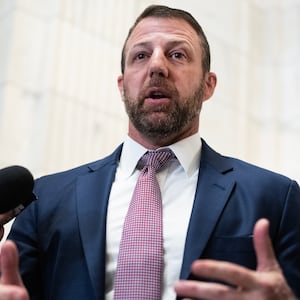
(140, 261)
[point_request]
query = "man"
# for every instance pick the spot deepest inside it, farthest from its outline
(69, 239)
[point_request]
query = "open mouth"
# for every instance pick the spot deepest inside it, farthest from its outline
(157, 93)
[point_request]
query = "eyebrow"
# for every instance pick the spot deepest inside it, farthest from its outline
(170, 44)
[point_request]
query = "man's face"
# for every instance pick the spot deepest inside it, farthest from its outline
(163, 85)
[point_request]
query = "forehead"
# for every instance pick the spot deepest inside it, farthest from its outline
(155, 29)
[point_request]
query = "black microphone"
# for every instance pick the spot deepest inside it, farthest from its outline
(16, 185)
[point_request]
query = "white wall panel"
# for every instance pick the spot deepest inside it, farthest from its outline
(59, 62)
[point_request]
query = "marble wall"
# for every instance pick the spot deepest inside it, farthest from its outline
(59, 62)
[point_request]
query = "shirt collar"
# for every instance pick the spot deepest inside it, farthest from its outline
(187, 152)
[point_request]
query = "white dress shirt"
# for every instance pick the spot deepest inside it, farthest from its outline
(178, 186)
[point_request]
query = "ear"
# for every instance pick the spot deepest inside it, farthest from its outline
(121, 86)
(210, 82)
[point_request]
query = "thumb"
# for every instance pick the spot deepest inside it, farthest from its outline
(9, 260)
(266, 260)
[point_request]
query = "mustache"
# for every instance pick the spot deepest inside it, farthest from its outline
(158, 82)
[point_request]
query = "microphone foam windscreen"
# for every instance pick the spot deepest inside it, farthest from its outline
(16, 185)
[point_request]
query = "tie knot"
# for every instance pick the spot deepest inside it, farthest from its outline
(155, 159)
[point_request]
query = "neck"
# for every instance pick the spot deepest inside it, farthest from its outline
(153, 143)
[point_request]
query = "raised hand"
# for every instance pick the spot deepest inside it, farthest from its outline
(11, 285)
(267, 282)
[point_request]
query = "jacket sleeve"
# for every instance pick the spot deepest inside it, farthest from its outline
(287, 244)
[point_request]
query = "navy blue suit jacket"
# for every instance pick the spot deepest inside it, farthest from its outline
(61, 237)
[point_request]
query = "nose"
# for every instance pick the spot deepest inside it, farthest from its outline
(158, 64)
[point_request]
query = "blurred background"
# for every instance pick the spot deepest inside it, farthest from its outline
(59, 62)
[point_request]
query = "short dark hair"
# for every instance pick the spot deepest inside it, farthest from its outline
(161, 11)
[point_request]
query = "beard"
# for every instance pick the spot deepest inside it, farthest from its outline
(164, 120)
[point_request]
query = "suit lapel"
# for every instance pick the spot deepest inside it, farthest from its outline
(212, 194)
(93, 191)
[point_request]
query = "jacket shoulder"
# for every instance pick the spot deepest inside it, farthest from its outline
(68, 176)
(239, 169)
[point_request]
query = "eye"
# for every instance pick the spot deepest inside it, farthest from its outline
(177, 55)
(140, 56)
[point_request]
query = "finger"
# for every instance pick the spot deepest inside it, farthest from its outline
(230, 273)
(266, 260)
(8, 292)
(10, 264)
(203, 290)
